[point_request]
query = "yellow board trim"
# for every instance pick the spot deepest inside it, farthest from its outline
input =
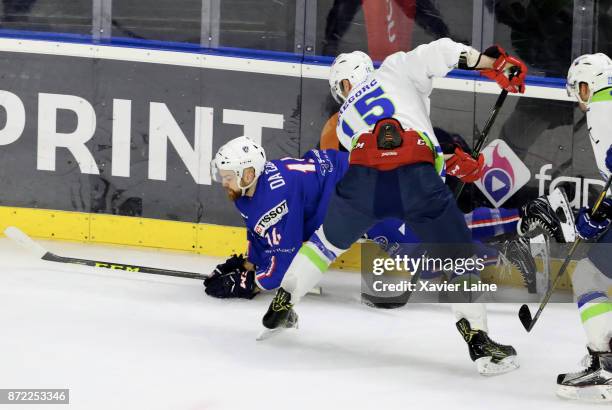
(207, 239)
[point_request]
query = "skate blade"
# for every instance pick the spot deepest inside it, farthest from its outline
(268, 333)
(594, 394)
(317, 291)
(487, 367)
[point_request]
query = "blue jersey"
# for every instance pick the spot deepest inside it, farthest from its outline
(289, 204)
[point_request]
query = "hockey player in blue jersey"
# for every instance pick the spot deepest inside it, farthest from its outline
(282, 203)
(236, 278)
(278, 220)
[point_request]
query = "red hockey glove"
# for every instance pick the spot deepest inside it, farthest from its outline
(464, 166)
(503, 61)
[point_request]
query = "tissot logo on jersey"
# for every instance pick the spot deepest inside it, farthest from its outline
(271, 218)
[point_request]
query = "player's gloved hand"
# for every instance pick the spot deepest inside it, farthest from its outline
(463, 166)
(235, 284)
(231, 264)
(605, 210)
(500, 72)
(588, 226)
(609, 159)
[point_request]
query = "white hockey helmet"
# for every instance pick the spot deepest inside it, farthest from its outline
(589, 69)
(236, 156)
(354, 67)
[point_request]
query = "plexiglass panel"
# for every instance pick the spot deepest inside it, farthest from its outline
(68, 16)
(384, 27)
(262, 25)
(165, 20)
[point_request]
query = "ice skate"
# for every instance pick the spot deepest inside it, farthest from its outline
(592, 384)
(491, 358)
(517, 253)
(280, 315)
(550, 215)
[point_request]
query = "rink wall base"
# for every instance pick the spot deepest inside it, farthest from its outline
(206, 239)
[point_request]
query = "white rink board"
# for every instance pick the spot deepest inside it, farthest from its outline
(124, 340)
(291, 69)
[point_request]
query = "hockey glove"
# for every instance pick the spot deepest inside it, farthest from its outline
(464, 166)
(605, 210)
(234, 262)
(609, 159)
(589, 227)
(498, 73)
(448, 142)
(236, 284)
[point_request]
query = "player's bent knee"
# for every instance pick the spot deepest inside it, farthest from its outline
(586, 277)
(332, 248)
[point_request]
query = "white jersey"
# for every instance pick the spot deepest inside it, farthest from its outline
(599, 124)
(400, 88)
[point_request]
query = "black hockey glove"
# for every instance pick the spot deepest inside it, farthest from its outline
(605, 210)
(448, 142)
(231, 280)
(236, 284)
(230, 265)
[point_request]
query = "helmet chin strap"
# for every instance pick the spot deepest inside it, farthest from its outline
(244, 189)
(579, 97)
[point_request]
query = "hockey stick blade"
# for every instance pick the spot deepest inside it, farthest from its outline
(20, 238)
(525, 317)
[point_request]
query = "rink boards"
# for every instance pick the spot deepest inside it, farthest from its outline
(206, 239)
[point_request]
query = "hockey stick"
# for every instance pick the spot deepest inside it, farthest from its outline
(18, 236)
(484, 134)
(524, 313)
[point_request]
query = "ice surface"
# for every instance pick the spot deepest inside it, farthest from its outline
(122, 340)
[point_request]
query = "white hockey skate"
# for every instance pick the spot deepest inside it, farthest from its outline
(593, 384)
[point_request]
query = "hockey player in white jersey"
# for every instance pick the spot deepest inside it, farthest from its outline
(589, 80)
(396, 171)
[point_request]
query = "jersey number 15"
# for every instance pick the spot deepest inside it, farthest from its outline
(372, 107)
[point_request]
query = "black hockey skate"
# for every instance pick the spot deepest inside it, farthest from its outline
(549, 215)
(591, 384)
(491, 358)
(517, 253)
(280, 315)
